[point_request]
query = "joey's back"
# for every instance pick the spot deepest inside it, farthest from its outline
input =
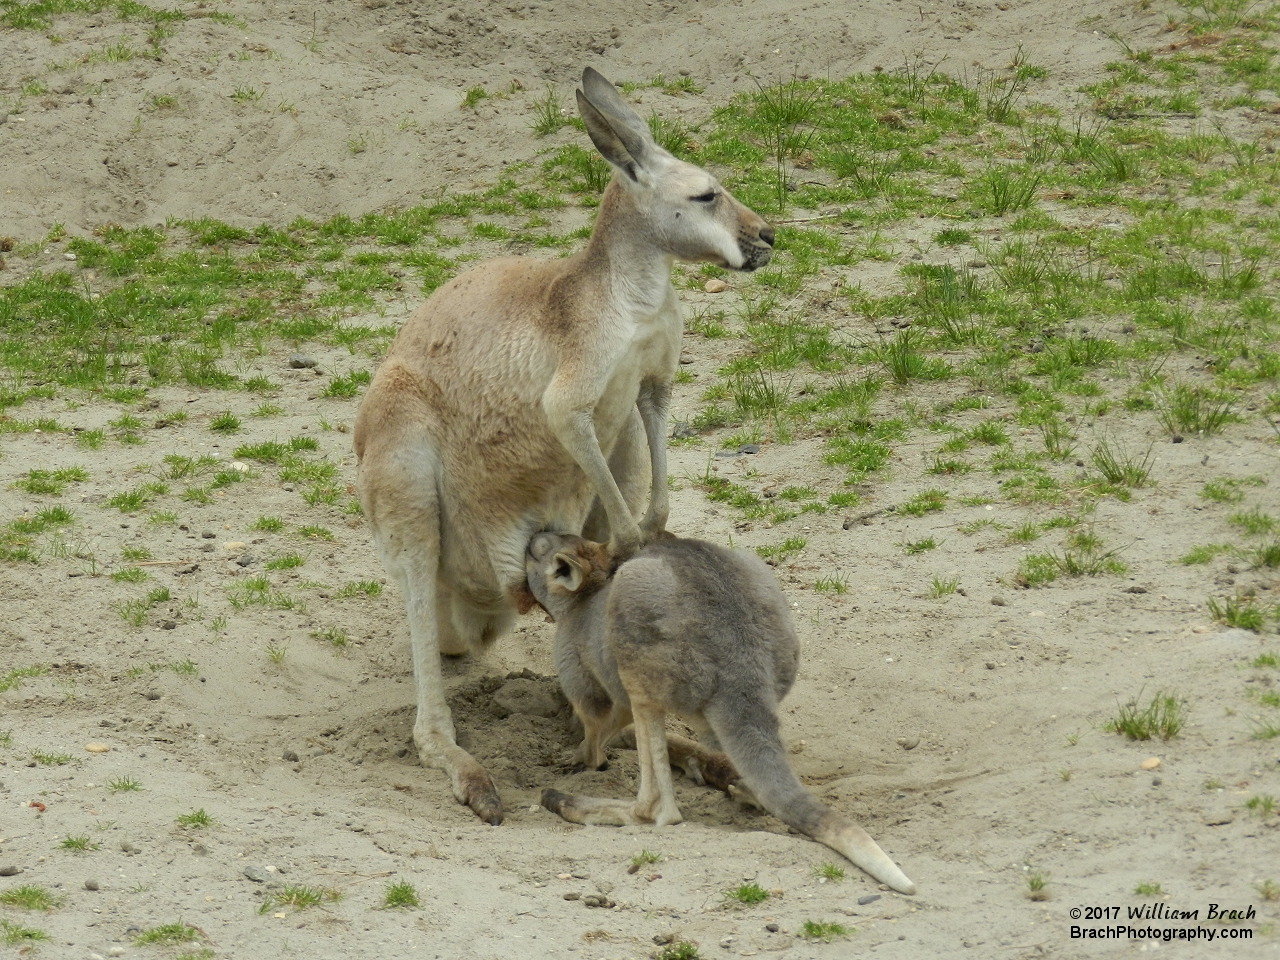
(707, 620)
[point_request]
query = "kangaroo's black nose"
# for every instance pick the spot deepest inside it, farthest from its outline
(766, 234)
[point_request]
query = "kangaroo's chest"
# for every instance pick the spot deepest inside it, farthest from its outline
(649, 351)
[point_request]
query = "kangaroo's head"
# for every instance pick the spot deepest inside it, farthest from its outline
(682, 210)
(564, 569)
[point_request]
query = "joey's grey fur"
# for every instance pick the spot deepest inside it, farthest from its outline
(531, 395)
(689, 628)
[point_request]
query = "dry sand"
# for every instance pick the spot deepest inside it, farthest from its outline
(964, 734)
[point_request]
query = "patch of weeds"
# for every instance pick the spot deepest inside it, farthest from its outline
(1024, 533)
(920, 546)
(1193, 411)
(130, 501)
(819, 930)
(784, 551)
(1037, 882)
(836, 583)
(195, 820)
(13, 679)
(1255, 523)
(168, 935)
(680, 950)
(225, 422)
(299, 896)
(843, 499)
(14, 935)
(939, 588)
(315, 533)
(400, 894)
(1261, 804)
(1120, 467)
(1269, 890)
(1204, 553)
(548, 114)
(287, 562)
(1228, 489)
(345, 386)
(1266, 730)
(1163, 717)
(333, 636)
(1148, 888)
(130, 575)
(927, 501)
(746, 894)
(91, 439)
(1241, 612)
(829, 871)
(29, 897)
(125, 784)
(268, 524)
(81, 844)
(368, 588)
(51, 759)
(51, 482)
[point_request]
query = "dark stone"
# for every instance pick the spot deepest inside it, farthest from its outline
(300, 361)
(290, 756)
(871, 898)
(749, 448)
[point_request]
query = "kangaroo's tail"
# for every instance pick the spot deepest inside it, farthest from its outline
(756, 750)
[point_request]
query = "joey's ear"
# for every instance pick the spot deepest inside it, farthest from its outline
(618, 133)
(569, 571)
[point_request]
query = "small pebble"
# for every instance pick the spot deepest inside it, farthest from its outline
(300, 361)
(871, 898)
(96, 747)
(715, 285)
(256, 874)
(10, 870)
(772, 927)
(1150, 763)
(153, 694)
(290, 756)
(91, 884)
(244, 560)
(749, 448)
(116, 952)
(234, 546)
(571, 895)
(208, 535)
(908, 743)
(997, 601)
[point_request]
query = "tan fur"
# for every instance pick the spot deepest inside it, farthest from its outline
(525, 389)
(691, 629)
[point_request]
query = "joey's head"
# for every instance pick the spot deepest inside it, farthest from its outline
(679, 207)
(562, 570)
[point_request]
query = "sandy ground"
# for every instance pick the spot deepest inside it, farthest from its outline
(964, 734)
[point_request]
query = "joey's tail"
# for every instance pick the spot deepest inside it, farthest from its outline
(756, 750)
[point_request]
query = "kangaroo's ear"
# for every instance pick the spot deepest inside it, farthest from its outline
(569, 571)
(618, 133)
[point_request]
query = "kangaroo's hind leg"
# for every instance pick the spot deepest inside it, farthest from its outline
(399, 493)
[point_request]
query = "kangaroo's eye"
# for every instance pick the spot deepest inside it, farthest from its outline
(705, 197)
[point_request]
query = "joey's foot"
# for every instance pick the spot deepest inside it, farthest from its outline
(718, 771)
(553, 801)
(584, 767)
(742, 793)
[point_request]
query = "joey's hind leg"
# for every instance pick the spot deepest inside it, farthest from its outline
(599, 726)
(704, 767)
(590, 810)
(656, 800)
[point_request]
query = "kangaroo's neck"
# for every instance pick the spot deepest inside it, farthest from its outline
(623, 255)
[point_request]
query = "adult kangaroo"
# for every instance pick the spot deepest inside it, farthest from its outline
(530, 395)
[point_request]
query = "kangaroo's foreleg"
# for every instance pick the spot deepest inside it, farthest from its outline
(655, 395)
